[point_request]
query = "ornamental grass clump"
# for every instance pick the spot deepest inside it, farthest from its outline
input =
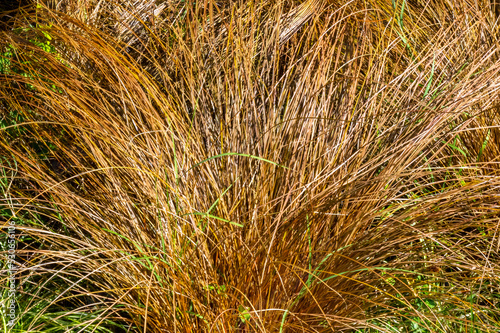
(272, 166)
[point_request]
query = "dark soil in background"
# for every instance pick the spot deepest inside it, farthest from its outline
(8, 9)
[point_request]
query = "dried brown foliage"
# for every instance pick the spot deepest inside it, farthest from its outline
(272, 166)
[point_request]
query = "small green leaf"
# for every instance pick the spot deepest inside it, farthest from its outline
(244, 314)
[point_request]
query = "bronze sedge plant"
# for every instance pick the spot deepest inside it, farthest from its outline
(239, 167)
